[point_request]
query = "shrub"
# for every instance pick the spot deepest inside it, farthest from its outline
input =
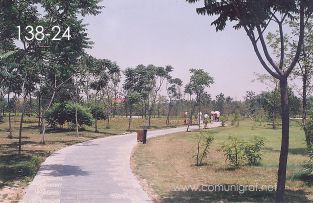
(204, 140)
(306, 174)
(252, 151)
(234, 152)
(235, 119)
(98, 112)
(223, 119)
(65, 112)
(34, 165)
(239, 153)
(206, 121)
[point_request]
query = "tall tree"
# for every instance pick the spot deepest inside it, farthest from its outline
(254, 17)
(159, 75)
(304, 68)
(199, 80)
(220, 102)
(173, 92)
(271, 99)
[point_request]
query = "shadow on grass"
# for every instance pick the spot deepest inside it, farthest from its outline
(31, 127)
(100, 133)
(62, 170)
(298, 151)
(16, 167)
(12, 148)
(295, 151)
(209, 194)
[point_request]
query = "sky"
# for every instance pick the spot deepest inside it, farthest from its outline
(169, 32)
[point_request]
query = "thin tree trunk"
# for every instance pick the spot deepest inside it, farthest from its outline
(15, 103)
(145, 108)
(304, 107)
(10, 120)
(168, 113)
(115, 104)
(21, 125)
(149, 118)
(43, 123)
(10, 127)
(96, 125)
(159, 113)
(199, 109)
(130, 117)
(281, 181)
(76, 120)
(274, 119)
(108, 121)
(198, 152)
(111, 106)
(304, 98)
(39, 110)
(190, 117)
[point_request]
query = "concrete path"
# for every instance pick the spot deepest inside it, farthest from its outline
(96, 171)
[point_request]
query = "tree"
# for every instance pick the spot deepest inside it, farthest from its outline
(270, 103)
(188, 90)
(135, 89)
(251, 101)
(304, 68)
(98, 112)
(220, 103)
(199, 80)
(159, 74)
(173, 92)
(254, 17)
(132, 98)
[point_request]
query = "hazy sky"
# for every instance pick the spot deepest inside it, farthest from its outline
(169, 32)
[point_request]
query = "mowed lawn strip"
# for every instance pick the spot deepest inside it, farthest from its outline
(166, 166)
(17, 171)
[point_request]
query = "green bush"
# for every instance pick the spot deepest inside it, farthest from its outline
(204, 140)
(206, 121)
(33, 165)
(234, 152)
(235, 119)
(223, 119)
(252, 151)
(239, 153)
(306, 174)
(60, 113)
(98, 112)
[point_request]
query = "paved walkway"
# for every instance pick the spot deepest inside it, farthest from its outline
(96, 171)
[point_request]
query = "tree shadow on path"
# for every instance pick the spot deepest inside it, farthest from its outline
(59, 170)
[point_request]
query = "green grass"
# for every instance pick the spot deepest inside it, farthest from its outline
(171, 161)
(120, 124)
(272, 137)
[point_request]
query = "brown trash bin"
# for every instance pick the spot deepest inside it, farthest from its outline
(142, 136)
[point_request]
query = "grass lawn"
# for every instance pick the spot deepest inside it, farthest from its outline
(166, 167)
(17, 171)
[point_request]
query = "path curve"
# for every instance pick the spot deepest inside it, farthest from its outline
(95, 171)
